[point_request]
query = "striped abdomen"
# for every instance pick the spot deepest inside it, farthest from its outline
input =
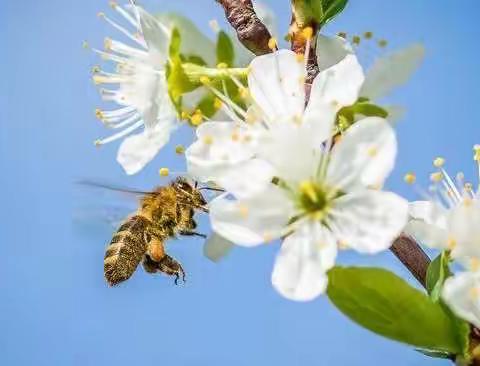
(126, 250)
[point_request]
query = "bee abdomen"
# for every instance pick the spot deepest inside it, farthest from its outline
(125, 251)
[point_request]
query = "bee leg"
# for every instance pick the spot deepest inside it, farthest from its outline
(192, 233)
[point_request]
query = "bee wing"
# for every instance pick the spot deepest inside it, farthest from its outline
(217, 247)
(99, 208)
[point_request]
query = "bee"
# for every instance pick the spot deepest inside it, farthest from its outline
(163, 214)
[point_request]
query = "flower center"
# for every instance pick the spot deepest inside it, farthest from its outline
(313, 198)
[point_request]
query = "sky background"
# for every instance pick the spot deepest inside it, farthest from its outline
(55, 308)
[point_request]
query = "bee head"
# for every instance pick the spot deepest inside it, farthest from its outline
(189, 193)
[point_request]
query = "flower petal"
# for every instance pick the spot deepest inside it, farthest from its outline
(368, 221)
(247, 179)
(304, 259)
(216, 248)
(364, 156)
(136, 151)
(427, 234)
(276, 84)
(462, 294)
(251, 221)
(291, 150)
(392, 71)
(331, 50)
(464, 229)
(219, 147)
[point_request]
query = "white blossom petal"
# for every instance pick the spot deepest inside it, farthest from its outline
(392, 71)
(220, 146)
(368, 221)
(251, 221)
(462, 294)
(365, 155)
(334, 88)
(430, 235)
(304, 259)
(464, 229)
(216, 247)
(331, 50)
(276, 83)
(291, 150)
(138, 150)
(247, 179)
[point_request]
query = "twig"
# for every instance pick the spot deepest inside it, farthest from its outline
(407, 250)
(251, 32)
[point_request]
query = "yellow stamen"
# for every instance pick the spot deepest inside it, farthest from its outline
(307, 33)
(85, 45)
(451, 243)
(307, 187)
(179, 149)
(205, 80)
(342, 35)
(99, 114)
(235, 136)
(356, 40)
(222, 65)
(410, 178)
(438, 162)
(372, 151)
(383, 43)
(368, 35)
(184, 115)
(244, 93)
(272, 43)
(164, 172)
(197, 118)
(436, 177)
(217, 103)
(107, 43)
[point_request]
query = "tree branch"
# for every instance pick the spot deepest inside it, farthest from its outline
(251, 32)
(412, 256)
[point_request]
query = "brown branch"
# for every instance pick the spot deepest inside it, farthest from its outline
(407, 250)
(251, 32)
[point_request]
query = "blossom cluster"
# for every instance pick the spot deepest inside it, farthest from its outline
(306, 168)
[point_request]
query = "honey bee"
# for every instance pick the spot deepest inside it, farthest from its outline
(163, 214)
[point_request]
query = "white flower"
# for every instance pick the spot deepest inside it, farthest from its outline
(228, 152)
(320, 199)
(142, 89)
(450, 221)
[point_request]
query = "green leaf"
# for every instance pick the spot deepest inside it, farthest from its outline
(387, 305)
(438, 271)
(434, 354)
(331, 8)
(225, 50)
(319, 11)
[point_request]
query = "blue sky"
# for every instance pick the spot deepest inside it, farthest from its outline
(56, 308)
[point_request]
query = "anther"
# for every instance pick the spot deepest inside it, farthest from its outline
(372, 151)
(356, 40)
(96, 69)
(179, 149)
(164, 172)
(205, 80)
(307, 33)
(197, 118)
(436, 177)
(244, 93)
(213, 24)
(382, 43)
(85, 45)
(368, 35)
(439, 162)
(217, 103)
(222, 65)
(410, 178)
(113, 4)
(99, 113)
(272, 43)
(342, 35)
(107, 43)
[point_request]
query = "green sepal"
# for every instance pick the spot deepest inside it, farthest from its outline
(346, 115)
(438, 271)
(225, 49)
(387, 305)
